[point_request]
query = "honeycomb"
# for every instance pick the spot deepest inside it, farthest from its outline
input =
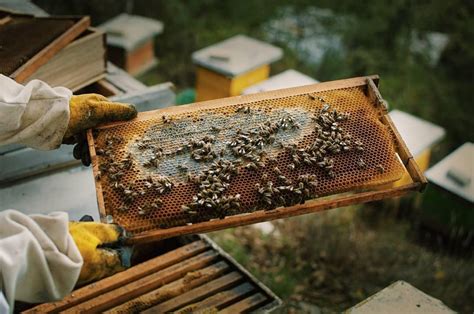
(172, 128)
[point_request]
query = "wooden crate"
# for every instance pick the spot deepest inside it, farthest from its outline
(384, 145)
(27, 55)
(194, 277)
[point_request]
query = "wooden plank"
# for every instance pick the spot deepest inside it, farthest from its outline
(219, 300)
(95, 169)
(23, 72)
(122, 80)
(415, 173)
(196, 294)
(276, 301)
(405, 155)
(107, 89)
(5, 20)
(143, 285)
(278, 213)
(245, 305)
(129, 275)
(171, 290)
(407, 158)
(375, 96)
(26, 162)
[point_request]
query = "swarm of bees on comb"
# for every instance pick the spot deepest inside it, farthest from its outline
(247, 151)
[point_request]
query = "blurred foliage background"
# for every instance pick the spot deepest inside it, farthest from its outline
(335, 259)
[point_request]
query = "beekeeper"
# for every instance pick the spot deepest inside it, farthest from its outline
(42, 257)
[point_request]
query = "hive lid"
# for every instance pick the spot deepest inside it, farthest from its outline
(286, 79)
(455, 172)
(236, 55)
(400, 297)
(128, 31)
(418, 134)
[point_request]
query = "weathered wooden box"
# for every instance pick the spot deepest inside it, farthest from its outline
(191, 275)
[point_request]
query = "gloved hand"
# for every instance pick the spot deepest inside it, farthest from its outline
(88, 111)
(101, 247)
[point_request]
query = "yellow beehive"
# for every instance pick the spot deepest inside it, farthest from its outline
(227, 68)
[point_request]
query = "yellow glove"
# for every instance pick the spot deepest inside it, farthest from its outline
(88, 111)
(101, 250)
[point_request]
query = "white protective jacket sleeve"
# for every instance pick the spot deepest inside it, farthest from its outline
(35, 115)
(39, 260)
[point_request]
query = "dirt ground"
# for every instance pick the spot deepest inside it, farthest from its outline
(336, 259)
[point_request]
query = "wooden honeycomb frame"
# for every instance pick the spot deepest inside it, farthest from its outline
(369, 190)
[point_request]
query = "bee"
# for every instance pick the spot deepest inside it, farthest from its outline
(361, 164)
(142, 211)
(380, 168)
(123, 208)
(252, 166)
(326, 107)
(183, 167)
(166, 119)
(291, 166)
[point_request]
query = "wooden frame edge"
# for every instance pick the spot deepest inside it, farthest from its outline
(217, 103)
(95, 170)
(409, 162)
(278, 213)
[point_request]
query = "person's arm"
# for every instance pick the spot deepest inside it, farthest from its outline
(39, 260)
(35, 115)
(42, 117)
(42, 257)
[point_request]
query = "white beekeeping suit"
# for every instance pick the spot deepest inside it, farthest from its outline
(35, 115)
(38, 258)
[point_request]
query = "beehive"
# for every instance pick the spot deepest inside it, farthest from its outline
(194, 277)
(225, 69)
(172, 128)
(28, 42)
